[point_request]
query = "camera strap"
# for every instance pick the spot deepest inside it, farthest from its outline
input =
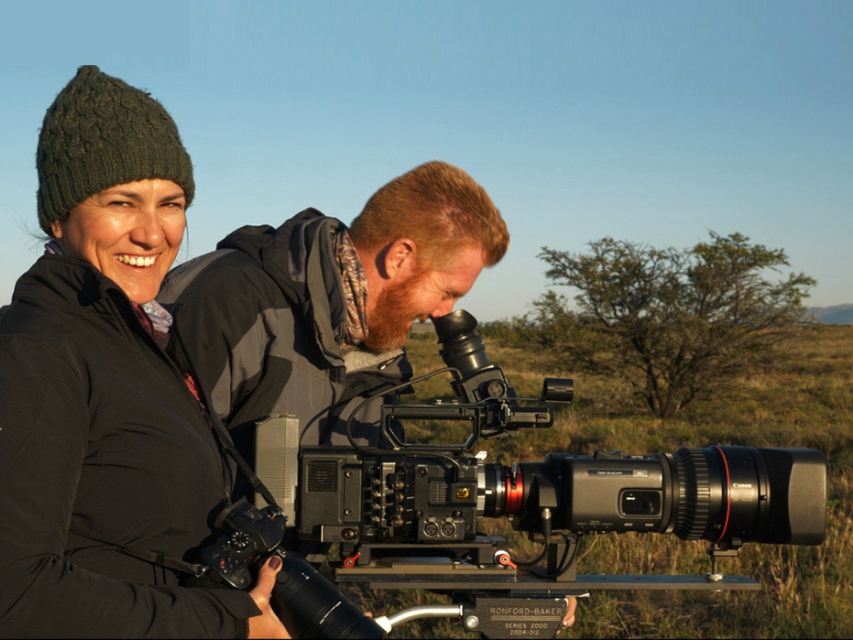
(223, 438)
(155, 557)
(226, 445)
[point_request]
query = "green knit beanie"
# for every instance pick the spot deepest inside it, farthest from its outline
(101, 132)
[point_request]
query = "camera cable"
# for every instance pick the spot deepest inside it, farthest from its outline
(395, 452)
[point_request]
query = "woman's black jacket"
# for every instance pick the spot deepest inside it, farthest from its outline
(99, 431)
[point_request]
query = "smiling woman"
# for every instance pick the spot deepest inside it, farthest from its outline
(131, 233)
(105, 439)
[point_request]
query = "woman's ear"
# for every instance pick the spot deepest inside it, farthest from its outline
(56, 229)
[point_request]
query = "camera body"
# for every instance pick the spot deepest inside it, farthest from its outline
(373, 498)
(249, 535)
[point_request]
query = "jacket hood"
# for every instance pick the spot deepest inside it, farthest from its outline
(299, 257)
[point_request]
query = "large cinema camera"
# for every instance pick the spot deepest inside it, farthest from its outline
(408, 516)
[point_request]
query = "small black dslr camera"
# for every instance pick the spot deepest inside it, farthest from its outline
(308, 604)
(253, 535)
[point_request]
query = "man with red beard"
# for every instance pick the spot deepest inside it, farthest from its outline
(310, 318)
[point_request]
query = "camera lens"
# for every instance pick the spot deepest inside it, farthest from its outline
(750, 494)
(720, 494)
(312, 607)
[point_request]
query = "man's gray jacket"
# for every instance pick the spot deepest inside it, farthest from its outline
(261, 320)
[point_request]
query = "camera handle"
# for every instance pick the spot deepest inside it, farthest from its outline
(495, 615)
(418, 613)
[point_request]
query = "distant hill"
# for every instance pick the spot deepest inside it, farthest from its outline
(839, 314)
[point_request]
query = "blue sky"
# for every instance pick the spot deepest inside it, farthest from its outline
(653, 121)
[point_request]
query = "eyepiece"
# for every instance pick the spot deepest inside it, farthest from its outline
(454, 324)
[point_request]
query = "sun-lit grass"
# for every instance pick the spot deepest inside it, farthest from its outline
(803, 401)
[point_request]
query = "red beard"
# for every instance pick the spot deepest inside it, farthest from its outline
(392, 318)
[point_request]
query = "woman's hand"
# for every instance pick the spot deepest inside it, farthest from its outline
(266, 625)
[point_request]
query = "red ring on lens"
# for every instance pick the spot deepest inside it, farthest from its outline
(514, 491)
(728, 494)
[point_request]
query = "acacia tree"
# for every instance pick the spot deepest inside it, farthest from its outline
(675, 324)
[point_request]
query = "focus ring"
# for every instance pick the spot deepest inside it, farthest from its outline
(694, 494)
